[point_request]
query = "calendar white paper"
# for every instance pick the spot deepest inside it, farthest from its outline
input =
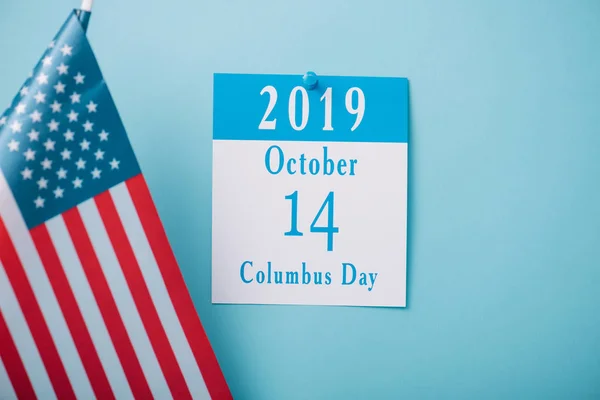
(309, 191)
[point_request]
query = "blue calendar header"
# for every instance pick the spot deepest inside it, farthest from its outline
(339, 109)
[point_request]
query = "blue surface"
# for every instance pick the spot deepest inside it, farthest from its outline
(240, 110)
(504, 212)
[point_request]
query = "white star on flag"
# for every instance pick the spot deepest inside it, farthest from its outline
(72, 116)
(80, 164)
(39, 202)
(77, 183)
(33, 135)
(20, 108)
(56, 106)
(79, 78)
(53, 126)
(40, 97)
(42, 78)
(69, 135)
(42, 183)
(85, 145)
(58, 192)
(49, 145)
(87, 126)
(96, 173)
(36, 116)
(65, 154)
(66, 50)
(62, 69)
(75, 97)
(61, 173)
(47, 61)
(59, 87)
(46, 164)
(16, 126)
(29, 155)
(13, 145)
(27, 173)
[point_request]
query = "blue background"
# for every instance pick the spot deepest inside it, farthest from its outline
(504, 193)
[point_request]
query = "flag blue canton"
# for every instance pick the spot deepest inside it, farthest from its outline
(62, 141)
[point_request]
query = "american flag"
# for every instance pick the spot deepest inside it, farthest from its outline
(92, 301)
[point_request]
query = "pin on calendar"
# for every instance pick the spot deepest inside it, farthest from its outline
(309, 190)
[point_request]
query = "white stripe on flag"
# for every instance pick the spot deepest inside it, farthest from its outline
(6, 390)
(124, 300)
(89, 308)
(44, 294)
(28, 351)
(158, 291)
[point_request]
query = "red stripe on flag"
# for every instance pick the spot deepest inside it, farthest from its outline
(74, 318)
(34, 317)
(13, 364)
(106, 304)
(141, 296)
(180, 296)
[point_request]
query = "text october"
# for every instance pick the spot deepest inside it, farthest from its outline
(313, 166)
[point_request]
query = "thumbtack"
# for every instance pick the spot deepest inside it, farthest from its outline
(310, 80)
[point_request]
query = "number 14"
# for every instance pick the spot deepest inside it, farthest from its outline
(330, 229)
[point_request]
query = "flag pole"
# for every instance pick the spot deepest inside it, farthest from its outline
(86, 5)
(84, 13)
